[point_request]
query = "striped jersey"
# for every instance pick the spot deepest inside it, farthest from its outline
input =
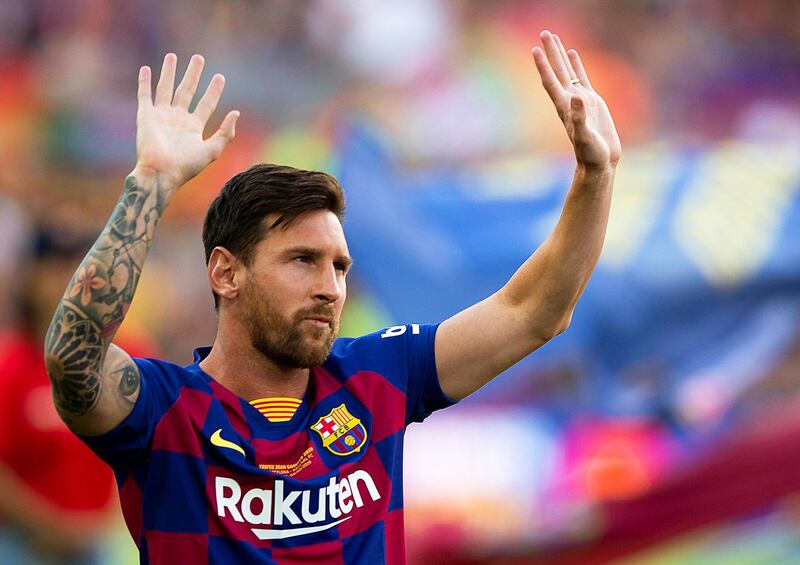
(204, 477)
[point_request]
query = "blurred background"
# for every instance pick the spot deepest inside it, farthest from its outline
(661, 428)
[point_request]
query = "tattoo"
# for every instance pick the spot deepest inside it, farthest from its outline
(128, 378)
(74, 353)
(96, 301)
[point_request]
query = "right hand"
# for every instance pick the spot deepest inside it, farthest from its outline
(169, 138)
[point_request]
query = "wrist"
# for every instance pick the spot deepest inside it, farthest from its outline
(595, 169)
(149, 177)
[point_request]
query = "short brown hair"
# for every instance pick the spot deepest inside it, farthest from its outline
(235, 219)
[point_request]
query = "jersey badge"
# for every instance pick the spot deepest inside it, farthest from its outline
(341, 432)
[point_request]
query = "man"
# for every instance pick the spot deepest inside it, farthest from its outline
(204, 476)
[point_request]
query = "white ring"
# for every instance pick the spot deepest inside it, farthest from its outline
(575, 81)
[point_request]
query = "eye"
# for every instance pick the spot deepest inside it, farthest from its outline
(341, 267)
(303, 259)
(129, 380)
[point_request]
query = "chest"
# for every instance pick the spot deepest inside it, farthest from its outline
(230, 470)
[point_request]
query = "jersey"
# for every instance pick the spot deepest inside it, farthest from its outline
(204, 477)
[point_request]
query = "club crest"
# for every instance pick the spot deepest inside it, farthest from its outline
(341, 432)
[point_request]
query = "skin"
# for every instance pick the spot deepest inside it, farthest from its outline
(537, 303)
(304, 268)
(95, 383)
(297, 277)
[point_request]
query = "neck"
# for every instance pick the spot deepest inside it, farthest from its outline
(238, 366)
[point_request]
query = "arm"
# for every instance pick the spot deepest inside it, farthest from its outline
(537, 303)
(95, 384)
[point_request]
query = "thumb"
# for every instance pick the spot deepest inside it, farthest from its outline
(577, 111)
(581, 132)
(225, 133)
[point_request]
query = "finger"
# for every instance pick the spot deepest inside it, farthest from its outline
(208, 103)
(145, 95)
(577, 64)
(554, 57)
(225, 133)
(565, 59)
(166, 82)
(188, 86)
(549, 79)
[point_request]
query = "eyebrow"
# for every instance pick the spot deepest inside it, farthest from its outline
(346, 260)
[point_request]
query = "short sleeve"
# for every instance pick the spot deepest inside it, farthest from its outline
(125, 445)
(424, 395)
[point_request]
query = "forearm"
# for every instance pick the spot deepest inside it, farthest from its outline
(536, 304)
(548, 285)
(99, 295)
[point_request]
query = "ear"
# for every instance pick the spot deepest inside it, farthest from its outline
(223, 269)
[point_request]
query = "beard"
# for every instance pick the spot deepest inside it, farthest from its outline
(290, 342)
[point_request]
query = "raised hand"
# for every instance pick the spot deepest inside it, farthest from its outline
(585, 115)
(169, 138)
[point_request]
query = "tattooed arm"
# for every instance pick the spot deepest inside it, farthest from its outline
(95, 383)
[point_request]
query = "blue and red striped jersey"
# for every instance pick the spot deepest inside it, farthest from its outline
(204, 477)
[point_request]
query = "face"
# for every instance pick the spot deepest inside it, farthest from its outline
(293, 292)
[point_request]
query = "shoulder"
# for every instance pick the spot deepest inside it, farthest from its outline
(386, 350)
(164, 377)
(384, 339)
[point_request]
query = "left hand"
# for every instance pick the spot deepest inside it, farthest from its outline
(585, 115)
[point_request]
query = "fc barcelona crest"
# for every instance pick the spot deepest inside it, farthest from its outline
(341, 432)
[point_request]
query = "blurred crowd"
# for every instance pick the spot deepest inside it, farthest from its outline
(446, 81)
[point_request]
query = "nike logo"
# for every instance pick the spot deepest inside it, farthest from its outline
(216, 439)
(283, 534)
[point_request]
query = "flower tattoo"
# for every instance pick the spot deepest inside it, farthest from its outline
(87, 280)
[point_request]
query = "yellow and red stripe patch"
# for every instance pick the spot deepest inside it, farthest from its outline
(277, 408)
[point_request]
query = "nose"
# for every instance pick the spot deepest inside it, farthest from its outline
(328, 285)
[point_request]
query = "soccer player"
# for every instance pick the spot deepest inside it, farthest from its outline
(280, 443)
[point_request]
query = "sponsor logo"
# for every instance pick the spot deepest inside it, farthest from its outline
(276, 507)
(341, 432)
(216, 439)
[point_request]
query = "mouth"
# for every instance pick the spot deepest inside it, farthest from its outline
(321, 321)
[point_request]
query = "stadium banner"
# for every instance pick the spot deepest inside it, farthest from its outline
(698, 287)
